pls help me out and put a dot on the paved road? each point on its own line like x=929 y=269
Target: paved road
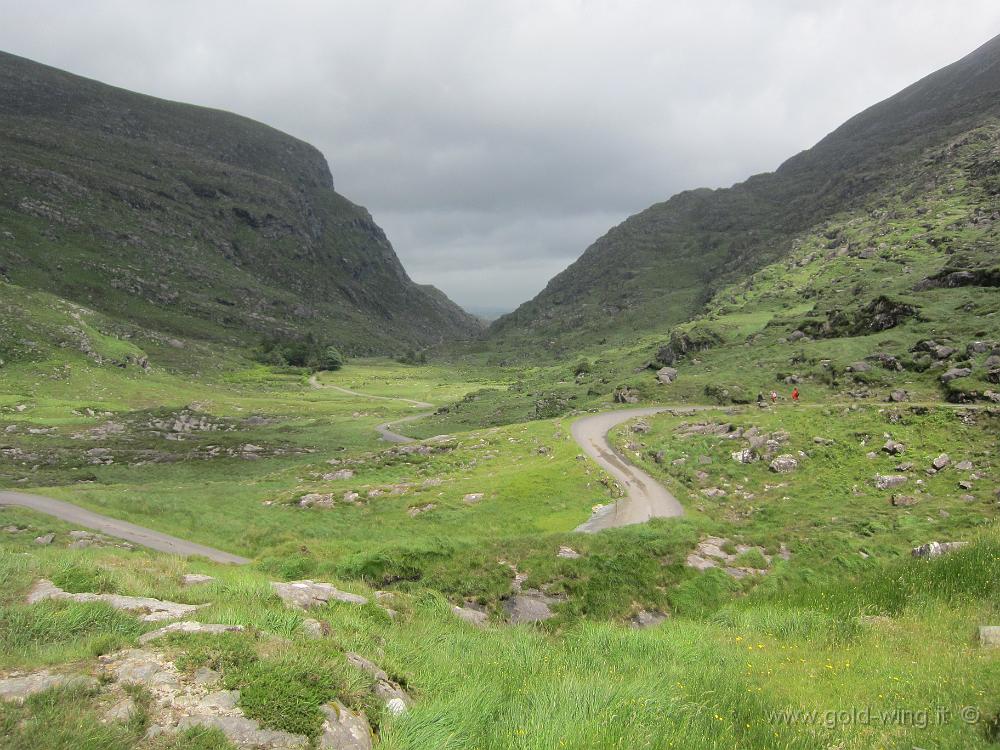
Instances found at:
x=113 y=527
x=385 y=429
x=645 y=498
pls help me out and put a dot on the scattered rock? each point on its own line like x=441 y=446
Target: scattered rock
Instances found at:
x=643 y=619
x=936 y=549
x=338 y=475
x=306 y=594
x=18 y=688
x=784 y=464
x=314 y=628
x=954 y=373
x=120 y=712
x=666 y=375
x=46 y=539
x=396 y=700
x=316 y=499
x=625 y=396
x=745 y=456
x=861 y=366
x=473 y=497
x=709 y=554
x=351 y=497
x=941 y=462
x=964 y=466
x=246 y=733
x=148 y=610
x=189 y=626
x=898 y=396
x=418 y=509
x=904 y=501
x=477 y=617
x=888 y=481
x=568 y=553
x=195 y=579
x=641 y=427
x=343 y=729
x=531 y=605
x=893 y=448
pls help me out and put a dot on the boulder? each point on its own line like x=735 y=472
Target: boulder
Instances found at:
x=936 y=549
x=977 y=347
x=904 y=501
x=338 y=475
x=343 y=729
x=784 y=464
x=745 y=456
x=625 y=396
x=396 y=700
x=472 y=498
x=953 y=373
x=568 y=553
x=641 y=427
x=860 y=366
x=942 y=352
x=315 y=629
x=888 y=481
x=893 y=448
x=796 y=335
x=964 y=466
x=306 y=594
x=666 y=375
x=45 y=539
x=898 y=396
x=941 y=462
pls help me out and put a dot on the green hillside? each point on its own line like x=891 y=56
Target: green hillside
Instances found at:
x=195 y=222
x=659 y=267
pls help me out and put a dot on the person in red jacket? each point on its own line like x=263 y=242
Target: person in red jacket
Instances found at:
x=795 y=395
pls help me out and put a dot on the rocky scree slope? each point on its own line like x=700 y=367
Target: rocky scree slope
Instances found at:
x=659 y=267
x=194 y=221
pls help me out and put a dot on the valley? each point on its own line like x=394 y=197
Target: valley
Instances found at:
x=730 y=481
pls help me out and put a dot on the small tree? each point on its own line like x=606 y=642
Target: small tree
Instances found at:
x=583 y=366
x=332 y=359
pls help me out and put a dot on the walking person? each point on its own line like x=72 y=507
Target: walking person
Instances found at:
x=795 y=395
x=774 y=397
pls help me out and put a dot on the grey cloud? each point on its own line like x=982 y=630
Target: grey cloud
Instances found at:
x=495 y=140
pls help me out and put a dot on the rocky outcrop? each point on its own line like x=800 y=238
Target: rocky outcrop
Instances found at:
x=19 y=687
x=306 y=594
x=147 y=609
x=936 y=549
x=397 y=701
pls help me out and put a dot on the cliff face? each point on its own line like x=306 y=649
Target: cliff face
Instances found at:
x=658 y=267
x=195 y=221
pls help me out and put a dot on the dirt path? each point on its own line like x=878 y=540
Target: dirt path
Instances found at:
x=645 y=497
x=385 y=429
x=113 y=527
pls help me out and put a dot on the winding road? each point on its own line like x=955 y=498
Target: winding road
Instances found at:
x=113 y=527
x=645 y=498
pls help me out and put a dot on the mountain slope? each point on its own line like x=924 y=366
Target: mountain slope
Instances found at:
x=194 y=221
x=660 y=266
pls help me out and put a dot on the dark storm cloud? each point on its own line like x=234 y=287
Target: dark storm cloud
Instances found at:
x=495 y=141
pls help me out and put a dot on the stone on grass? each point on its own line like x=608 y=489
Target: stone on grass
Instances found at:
x=899 y=396
x=893 y=448
x=147 y=609
x=338 y=475
x=314 y=628
x=904 y=501
x=45 y=539
x=643 y=619
x=395 y=699
x=194 y=579
x=666 y=375
x=568 y=553
x=343 y=729
x=306 y=594
x=188 y=626
x=120 y=712
x=246 y=733
x=936 y=549
x=472 y=616
x=473 y=497
x=941 y=462
x=17 y=689
x=954 y=373
x=531 y=605
x=784 y=464
x=989 y=635
x=964 y=466
x=888 y=481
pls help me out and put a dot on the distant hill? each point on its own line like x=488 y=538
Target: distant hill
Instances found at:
x=194 y=221
x=659 y=267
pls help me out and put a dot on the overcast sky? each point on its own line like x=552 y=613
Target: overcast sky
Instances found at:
x=494 y=141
